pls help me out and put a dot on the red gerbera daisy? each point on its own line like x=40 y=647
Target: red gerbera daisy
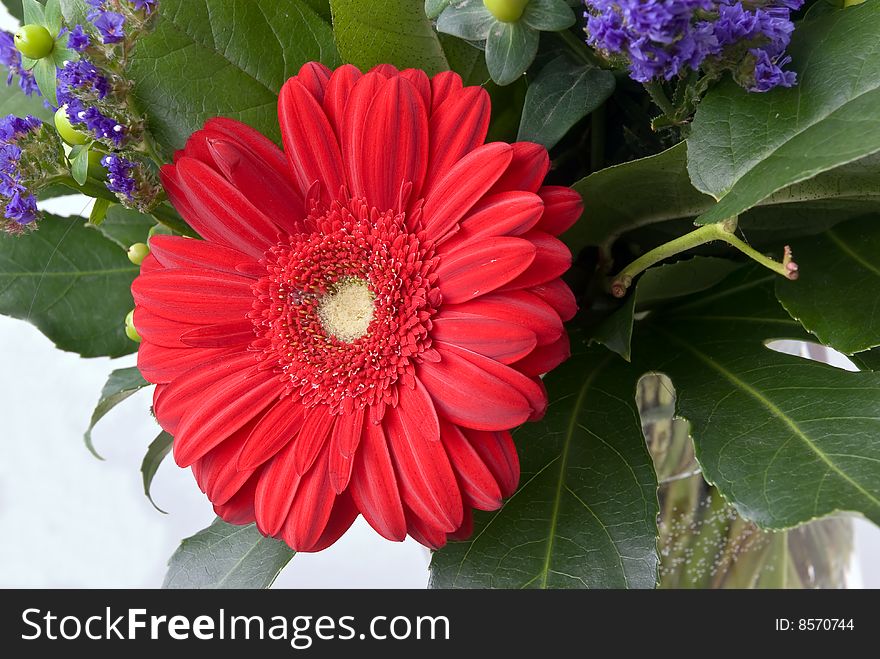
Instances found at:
x=368 y=313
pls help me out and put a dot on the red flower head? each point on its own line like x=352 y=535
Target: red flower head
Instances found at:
x=368 y=313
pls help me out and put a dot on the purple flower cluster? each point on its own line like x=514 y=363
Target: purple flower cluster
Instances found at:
x=663 y=39
x=11 y=58
x=78 y=39
x=19 y=204
x=111 y=24
x=80 y=86
x=120 y=176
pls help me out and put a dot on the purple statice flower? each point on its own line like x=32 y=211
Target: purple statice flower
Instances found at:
x=663 y=39
x=78 y=40
x=19 y=204
x=147 y=6
x=110 y=24
x=11 y=58
x=81 y=86
x=120 y=176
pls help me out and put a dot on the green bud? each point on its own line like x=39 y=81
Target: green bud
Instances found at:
x=34 y=41
x=66 y=130
x=138 y=252
x=130 y=330
x=506 y=11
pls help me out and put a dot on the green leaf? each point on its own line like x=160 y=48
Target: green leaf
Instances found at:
x=321 y=8
x=121 y=384
x=468 y=20
x=433 y=8
x=156 y=452
x=785 y=440
x=99 y=213
x=391 y=32
x=52 y=10
x=33 y=12
x=15 y=8
x=657 y=189
x=44 y=75
x=466 y=60
x=548 y=15
x=743 y=147
x=585 y=513
x=868 y=360
x=14 y=101
x=562 y=94
x=72 y=283
x=510 y=50
x=227 y=556
x=228 y=59
x=837 y=296
x=60 y=54
x=79 y=166
x=125 y=227
x=660 y=283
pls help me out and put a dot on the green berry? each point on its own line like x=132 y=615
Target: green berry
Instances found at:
x=66 y=130
x=130 y=330
x=138 y=252
x=506 y=11
x=34 y=41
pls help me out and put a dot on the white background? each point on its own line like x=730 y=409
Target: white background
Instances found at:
x=69 y=520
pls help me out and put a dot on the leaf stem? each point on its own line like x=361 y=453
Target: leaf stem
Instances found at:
x=661 y=100
x=723 y=231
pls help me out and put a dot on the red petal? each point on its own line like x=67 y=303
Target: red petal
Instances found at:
x=466 y=529
x=545 y=358
x=158 y=330
x=503 y=214
x=341 y=518
x=419 y=80
x=374 y=486
x=273 y=194
x=385 y=70
x=150 y=264
x=480 y=267
x=309 y=141
x=162 y=365
x=456 y=193
x=311 y=507
x=343 y=444
x=477 y=482
x=280 y=424
x=521 y=307
x=226 y=335
x=394 y=149
x=336 y=95
x=177 y=252
x=558 y=295
x=194 y=296
x=265 y=150
x=466 y=394
x=457 y=127
x=552 y=260
x=498 y=453
x=220 y=410
x=444 y=85
x=354 y=129
x=314 y=77
x=216 y=471
x=313 y=436
x=562 y=208
x=240 y=508
x=221 y=213
x=527 y=169
x=427 y=482
x=424 y=532
x=502 y=341
x=275 y=491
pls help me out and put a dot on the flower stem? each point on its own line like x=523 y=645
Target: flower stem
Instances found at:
x=661 y=100
x=723 y=231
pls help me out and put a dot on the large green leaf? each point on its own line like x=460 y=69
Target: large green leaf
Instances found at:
x=72 y=283
x=15 y=8
x=121 y=384
x=657 y=189
x=562 y=94
x=390 y=32
x=837 y=296
x=784 y=439
x=743 y=147
x=125 y=226
x=585 y=512
x=14 y=101
x=227 y=556
x=227 y=59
